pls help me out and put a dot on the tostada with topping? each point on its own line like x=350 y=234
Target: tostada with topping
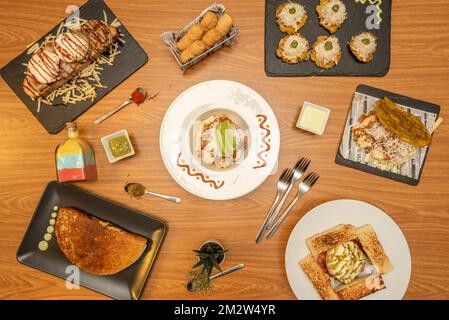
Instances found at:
x=290 y=17
x=332 y=14
x=293 y=49
x=363 y=46
x=326 y=52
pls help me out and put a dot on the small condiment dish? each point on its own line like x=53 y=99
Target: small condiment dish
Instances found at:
x=123 y=134
x=313 y=118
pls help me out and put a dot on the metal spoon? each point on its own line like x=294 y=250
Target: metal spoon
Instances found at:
x=218 y=275
x=142 y=187
x=119 y=107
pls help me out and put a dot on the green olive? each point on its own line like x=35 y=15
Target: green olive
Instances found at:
x=294 y=44
x=292 y=10
x=335 y=8
x=366 y=41
x=328 y=45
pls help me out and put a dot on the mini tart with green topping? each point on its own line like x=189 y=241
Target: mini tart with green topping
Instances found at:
x=332 y=14
x=293 y=48
x=326 y=52
x=363 y=46
x=290 y=17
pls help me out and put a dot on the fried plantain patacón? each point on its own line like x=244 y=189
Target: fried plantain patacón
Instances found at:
x=406 y=126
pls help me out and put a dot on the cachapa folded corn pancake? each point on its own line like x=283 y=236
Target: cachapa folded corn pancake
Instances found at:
x=94 y=245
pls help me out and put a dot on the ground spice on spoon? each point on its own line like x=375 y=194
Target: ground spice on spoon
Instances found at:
x=135 y=190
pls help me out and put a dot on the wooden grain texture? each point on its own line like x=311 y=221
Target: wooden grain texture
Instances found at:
x=419 y=68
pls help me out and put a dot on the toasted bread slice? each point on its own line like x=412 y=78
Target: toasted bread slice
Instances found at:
x=373 y=249
x=287 y=28
x=361 y=287
x=318 y=278
x=323 y=241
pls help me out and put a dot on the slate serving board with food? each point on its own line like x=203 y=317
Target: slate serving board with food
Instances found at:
x=362 y=16
x=131 y=57
x=112 y=267
x=352 y=155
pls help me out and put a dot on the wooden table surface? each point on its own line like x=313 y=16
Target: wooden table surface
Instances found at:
x=419 y=68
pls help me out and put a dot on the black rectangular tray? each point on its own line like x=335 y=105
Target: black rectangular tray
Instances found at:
x=405 y=101
x=127 y=284
x=348 y=65
x=53 y=118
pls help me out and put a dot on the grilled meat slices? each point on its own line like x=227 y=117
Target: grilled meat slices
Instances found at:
x=66 y=57
x=94 y=245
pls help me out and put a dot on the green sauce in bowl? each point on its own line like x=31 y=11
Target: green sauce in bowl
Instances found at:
x=119 y=146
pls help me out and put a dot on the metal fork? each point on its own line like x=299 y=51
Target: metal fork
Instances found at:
x=303 y=187
x=298 y=171
x=283 y=184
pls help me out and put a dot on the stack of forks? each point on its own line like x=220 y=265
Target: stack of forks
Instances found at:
x=286 y=182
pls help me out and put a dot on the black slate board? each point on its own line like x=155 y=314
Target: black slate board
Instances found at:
x=126 y=284
x=405 y=101
x=348 y=65
x=53 y=118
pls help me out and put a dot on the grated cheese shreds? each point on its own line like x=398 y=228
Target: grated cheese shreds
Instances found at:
x=82 y=88
x=61 y=26
x=105 y=17
x=116 y=23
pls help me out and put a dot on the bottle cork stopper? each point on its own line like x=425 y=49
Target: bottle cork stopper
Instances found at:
x=71 y=125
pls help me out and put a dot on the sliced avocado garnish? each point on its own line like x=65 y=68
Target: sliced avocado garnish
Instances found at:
x=226 y=139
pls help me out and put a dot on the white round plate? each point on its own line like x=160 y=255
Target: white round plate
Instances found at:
x=357 y=213
x=218 y=97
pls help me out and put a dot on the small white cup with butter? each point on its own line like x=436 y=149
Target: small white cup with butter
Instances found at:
x=313 y=118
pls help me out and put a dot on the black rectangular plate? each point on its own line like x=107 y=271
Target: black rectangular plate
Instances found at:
x=405 y=101
x=348 y=65
x=127 y=284
x=53 y=118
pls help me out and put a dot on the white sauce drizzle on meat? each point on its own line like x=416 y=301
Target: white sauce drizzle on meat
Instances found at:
x=44 y=66
x=71 y=46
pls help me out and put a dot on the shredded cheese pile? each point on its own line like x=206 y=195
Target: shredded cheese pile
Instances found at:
x=83 y=87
